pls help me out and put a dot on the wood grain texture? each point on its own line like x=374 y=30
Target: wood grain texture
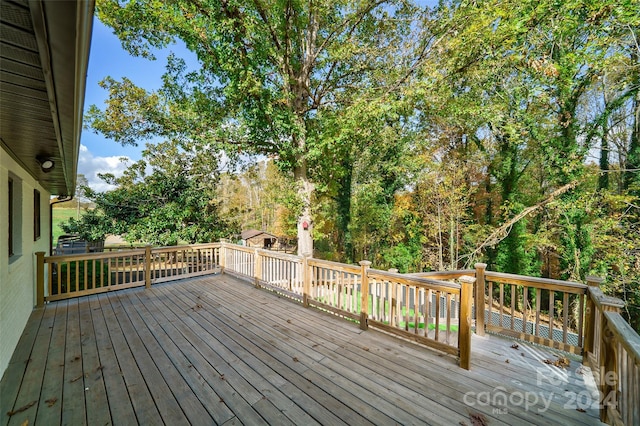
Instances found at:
x=216 y=350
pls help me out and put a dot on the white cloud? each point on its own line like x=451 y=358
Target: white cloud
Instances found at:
x=90 y=166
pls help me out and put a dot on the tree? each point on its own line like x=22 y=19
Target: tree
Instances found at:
x=260 y=197
x=268 y=71
x=164 y=199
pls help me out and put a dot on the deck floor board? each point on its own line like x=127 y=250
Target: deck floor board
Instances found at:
x=215 y=350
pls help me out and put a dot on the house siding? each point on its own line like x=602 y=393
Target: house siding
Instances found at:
x=17 y=274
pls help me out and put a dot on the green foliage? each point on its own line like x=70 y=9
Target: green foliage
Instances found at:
x=417 y=139
x=61 y=215
x=165 y=199
x=515 y=253
x=270 y=75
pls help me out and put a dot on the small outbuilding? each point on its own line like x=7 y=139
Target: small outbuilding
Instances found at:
x=259 y=239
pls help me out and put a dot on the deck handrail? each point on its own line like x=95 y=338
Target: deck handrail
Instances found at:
x=525 y=308
x=401 y=304
x=620 y=380
x=83 y=274
x=443 y=275
x=612 y=351
x=395 y=303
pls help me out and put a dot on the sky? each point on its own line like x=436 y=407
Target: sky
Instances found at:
x=108 y=58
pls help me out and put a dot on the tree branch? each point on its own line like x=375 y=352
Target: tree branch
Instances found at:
x=503 y=231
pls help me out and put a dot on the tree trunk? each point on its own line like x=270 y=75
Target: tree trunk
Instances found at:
x=633 y=156
x=343 y=200
x=305 y=224
x=603 y=179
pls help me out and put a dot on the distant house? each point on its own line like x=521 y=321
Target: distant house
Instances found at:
x=44 y=51
x=259 y=239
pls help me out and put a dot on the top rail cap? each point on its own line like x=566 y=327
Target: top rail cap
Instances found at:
x=594 y=281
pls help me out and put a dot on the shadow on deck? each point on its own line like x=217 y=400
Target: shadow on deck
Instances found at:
x=215 y=350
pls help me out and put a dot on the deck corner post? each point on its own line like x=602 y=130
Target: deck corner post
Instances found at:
x=480 y=299
x=147 y=266
x=39 y=279
x=464 y=333
x=257 y=269
x=222 y=256
x=590 y=318
x=306 y=279
x=364 y=294
x=608 y=370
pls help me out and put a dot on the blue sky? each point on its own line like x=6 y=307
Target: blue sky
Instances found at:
x=107 y=58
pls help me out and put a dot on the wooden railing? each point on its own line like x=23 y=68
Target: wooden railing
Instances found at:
x=91 y=273
x=434 y=308
x=540 y=310
x=612 y=351
x=432 y=312
x=335 y=287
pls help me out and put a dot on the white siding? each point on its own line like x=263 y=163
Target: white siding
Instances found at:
x=17 y=275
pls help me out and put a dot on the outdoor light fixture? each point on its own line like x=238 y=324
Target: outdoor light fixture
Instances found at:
x=46 y=163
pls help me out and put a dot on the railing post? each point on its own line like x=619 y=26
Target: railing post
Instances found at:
x=480 y=301
x=464 y=332
x=222 y=256
x=364 y=294
x=40 y=279
x=257 y=268
x=590 y=318
x=608 y=368
x=147 y=266
x=306 y=279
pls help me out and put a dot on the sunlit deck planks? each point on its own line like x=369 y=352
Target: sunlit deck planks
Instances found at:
x=214 y=350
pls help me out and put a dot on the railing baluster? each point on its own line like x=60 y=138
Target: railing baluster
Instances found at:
x=448 y=317
x=501 y=303
x=565 y=316
x=538 y=302
x=405 y=295
x=490 y=322
x=514 y=296
x=551 y=312
x=84 y=269
x=525 y=310
x=416 y=311
x=437 y=330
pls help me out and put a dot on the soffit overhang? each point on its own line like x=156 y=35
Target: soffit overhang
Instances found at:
x=44 y=52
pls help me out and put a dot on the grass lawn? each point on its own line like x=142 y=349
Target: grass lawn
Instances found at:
x=61 y=215
x=401 y=324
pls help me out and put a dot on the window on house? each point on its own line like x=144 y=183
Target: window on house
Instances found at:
x=15 y=216
x=10 y=213
x=36 y=215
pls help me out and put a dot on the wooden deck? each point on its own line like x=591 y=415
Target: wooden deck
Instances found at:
x=215 y=350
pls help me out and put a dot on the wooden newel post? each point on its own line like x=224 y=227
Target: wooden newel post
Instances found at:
x=464 y=331
x=40 y=279
x=306 y=280
x=257 y=269
x=364 y=294
x=222 y=257
x=608 y=365
x=590 y=318
x=147 y=266
x=480 y=298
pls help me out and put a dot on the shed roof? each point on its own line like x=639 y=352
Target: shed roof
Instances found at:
x=251 y=233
